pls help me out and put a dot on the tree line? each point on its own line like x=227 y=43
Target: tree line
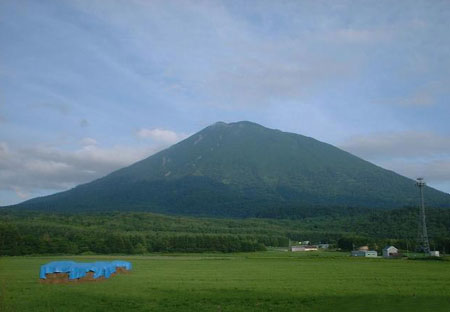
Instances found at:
x=24 y=233
x=24 y=239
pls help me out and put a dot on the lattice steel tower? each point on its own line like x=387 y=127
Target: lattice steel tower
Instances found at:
x=423 y=234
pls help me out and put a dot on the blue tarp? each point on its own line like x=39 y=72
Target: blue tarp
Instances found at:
x=122 y=264
x=56 y=267
x=78 y=270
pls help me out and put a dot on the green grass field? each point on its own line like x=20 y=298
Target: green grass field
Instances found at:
x=264 y=281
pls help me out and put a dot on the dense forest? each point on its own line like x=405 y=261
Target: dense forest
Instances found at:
x=23 y=233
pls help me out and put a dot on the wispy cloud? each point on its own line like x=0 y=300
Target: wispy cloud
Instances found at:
x=25 y=170
x=88 y=141
x=225 y=62
x=413 y=154
x=160 y=135
x=425 y=95
x=56 y=106
x=434 y=171
x=407 y=144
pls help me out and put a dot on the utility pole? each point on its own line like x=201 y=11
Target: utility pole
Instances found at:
x=423 y=234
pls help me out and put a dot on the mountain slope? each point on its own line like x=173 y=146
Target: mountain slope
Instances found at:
x=243 y=169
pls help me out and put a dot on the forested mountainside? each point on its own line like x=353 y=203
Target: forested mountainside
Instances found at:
x=244 y=170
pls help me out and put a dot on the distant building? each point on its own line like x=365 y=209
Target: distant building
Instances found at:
x=365 y=248
x=304 y=248
x=323 y=246
x=390 y=251
x=434 y=253
x=364 y=253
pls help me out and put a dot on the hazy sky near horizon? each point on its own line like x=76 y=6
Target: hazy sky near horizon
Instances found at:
x=87 y=87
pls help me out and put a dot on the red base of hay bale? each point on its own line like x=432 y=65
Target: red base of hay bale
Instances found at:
x=63 y=278
x=55 y=278
x=89 y=277
x=121 y=270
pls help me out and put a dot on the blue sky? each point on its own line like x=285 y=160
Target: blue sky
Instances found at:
x=87 y=87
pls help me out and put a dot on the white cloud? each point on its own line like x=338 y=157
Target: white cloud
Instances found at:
x=351 y=35
x=434 y=171
x=222 y=58
x=4 y=150
x=422 y=96
x=160 y=135
x=30 y=170
x=88 y=141
x=407 y=144
x=22 y=194
x=412 y=153
x=46 y=167
x=37 y=168
x=59 y=107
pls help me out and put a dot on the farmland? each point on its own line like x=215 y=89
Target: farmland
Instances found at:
x=260 y=281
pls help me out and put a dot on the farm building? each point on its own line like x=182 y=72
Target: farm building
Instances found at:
x=390 y=251
x=364 y=253
x=434 y=253
x=304 y=248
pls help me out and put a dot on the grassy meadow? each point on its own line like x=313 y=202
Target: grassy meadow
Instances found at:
x=262 y=281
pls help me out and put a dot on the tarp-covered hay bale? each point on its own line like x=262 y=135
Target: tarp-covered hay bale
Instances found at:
x=56 y=278
x=58 y=272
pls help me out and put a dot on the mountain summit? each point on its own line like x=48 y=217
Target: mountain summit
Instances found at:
x=243 y=169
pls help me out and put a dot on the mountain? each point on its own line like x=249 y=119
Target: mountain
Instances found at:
x=243 y=169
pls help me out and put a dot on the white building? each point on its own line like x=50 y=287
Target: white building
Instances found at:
x=364 y=253
x=434 y=253
x=390 y=251
x=304 y=248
